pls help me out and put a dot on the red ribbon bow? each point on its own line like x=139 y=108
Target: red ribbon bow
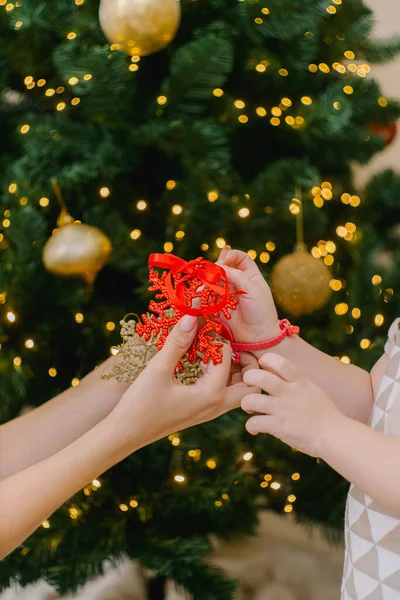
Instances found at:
x=209 y=274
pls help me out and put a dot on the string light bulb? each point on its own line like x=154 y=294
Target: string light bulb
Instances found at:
x=212 y=196
x=177 y=209
x=135 y=234
x=341 y=308
x=104 y=192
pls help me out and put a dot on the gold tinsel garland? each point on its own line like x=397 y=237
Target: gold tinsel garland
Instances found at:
x=136 y=353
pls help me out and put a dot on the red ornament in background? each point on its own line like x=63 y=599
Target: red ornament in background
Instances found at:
x=199 y=288
x=386 y=132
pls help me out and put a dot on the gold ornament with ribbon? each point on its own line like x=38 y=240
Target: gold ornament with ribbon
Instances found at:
x=300 y=282
x=75 y=249
x=140 y=27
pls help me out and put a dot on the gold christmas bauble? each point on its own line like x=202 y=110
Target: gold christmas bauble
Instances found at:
x=300 y=283
x=140 y=27
x=77 y=250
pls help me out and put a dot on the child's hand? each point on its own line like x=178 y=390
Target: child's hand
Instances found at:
x=157 y=404
x=296 y=411
x=255 y=319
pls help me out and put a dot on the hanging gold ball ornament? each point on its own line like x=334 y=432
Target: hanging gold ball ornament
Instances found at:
x=300 y=283
x=76 y=250
x=140 y=27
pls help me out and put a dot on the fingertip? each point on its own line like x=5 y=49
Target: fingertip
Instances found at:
x=187 y=324
x=243 y=405
x=222 y=255
x=268 y=359
x=226 y=353
x=250 y=426
x=248 y=376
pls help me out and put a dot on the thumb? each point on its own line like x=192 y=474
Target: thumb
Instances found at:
x=178 y=342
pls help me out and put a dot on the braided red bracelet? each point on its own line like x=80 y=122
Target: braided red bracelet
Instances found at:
x=287 y=330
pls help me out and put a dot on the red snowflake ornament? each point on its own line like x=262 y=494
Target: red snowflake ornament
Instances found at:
x=199 y=288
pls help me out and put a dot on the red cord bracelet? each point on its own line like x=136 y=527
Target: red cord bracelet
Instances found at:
x=287 y=330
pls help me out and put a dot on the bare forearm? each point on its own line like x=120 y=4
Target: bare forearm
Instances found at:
x=349 y=386
x=367 y=458
x=53 y=481
x=57 y=423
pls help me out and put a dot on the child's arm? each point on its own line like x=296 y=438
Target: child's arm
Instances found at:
x=365 y=457
x=153 y=407
x=44 y=431
x=256 y=320
x=303 y=416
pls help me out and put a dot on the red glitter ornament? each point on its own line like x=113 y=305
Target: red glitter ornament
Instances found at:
x=198 y=288
x=386 y=132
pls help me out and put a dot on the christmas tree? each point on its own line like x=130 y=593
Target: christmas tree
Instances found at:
x=251 y=118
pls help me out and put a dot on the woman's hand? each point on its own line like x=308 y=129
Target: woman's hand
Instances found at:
x=157 y=404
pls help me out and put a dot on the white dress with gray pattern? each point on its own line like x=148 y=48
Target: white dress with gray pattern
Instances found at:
x=372 y=559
